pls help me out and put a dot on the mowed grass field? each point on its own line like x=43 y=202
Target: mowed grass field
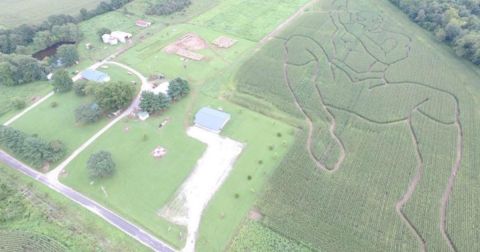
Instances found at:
x=29 y=93
x=250 y=19
x=58 y=123
x=149 y=57
x=142 y=184
x=389 y=108
x=16 y=12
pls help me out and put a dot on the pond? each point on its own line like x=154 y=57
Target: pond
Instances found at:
x=50 y=51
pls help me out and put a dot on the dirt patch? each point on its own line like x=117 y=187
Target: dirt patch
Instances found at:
x=189 y=54
x=224 y=42
x=185 y=46
x=255 y=215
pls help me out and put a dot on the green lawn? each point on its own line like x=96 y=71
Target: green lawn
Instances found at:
x=142 y=184
x=16 y=12
x=59 y=122
x=28 y=92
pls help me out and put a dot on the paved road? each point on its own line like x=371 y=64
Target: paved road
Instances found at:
x=122 y=224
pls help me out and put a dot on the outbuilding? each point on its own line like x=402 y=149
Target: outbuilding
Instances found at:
x=93 y=75
x=143 y=23
x=121 y=36
x=143 y=115
x=109 y=39
x=211 y=119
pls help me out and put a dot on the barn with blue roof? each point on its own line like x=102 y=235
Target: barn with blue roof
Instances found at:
x=211 y=119
x=93 y=75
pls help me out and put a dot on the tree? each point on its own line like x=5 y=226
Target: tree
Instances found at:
x=148 y=102
x=178 y=88
x=167 y=7
x=68 y=54
x=80 y=87
x=101 y=165
x=103 y=31
x=114 y=96
x=88 y=113
x=62 y=82
x=32 y=149
x=7 y=74
x=152 y=103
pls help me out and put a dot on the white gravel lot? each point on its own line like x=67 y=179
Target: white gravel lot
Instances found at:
x=209 y=174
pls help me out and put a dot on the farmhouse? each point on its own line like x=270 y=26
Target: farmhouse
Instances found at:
x=96 y=76
x=108 y=39
x=121 y=36
x=211 y=119
x=143 y=23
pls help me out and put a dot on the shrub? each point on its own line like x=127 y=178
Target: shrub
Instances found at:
x=18 y=103
x=54 y=104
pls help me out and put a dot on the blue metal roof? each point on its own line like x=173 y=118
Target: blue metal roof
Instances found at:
x=93 y=75
x=211 y=119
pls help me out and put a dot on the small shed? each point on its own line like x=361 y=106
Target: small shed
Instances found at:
x=143 y=23
x=211 y=119
x=143 y=115
x=93 y=75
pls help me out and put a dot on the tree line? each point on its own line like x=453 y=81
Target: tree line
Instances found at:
x=56 y=29
x=455 y=22
x=167 y=7
x=31 y=148
x=20 y=69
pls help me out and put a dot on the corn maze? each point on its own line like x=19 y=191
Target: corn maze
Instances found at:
x=376 y=162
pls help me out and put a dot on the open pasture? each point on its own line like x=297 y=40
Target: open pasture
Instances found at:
x=149 y=57
x=16 y=12
x=385 y=159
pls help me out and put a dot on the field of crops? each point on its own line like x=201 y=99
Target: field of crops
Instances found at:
x=386 y=157
x=25 y=241
x=17 y=12
x=255 y=235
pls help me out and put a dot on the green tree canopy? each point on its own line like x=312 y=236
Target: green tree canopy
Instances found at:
x=178 y=88
x=153 y=103
x=62 y=82
x=114 y=96
x=68 y=54
x=88 y=113
x=101 y=165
